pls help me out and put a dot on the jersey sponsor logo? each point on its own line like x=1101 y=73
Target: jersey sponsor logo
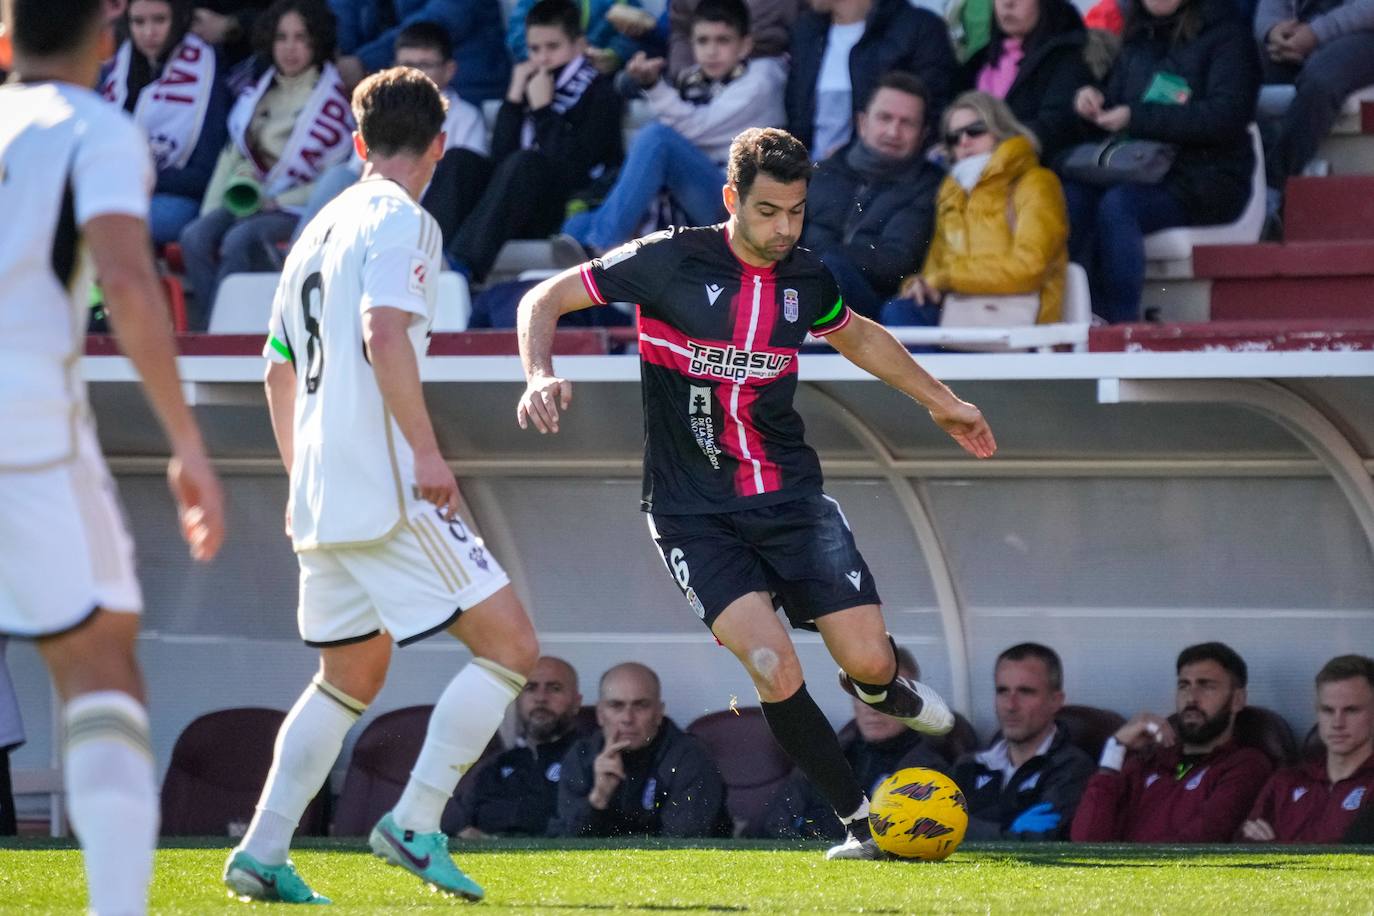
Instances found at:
x=1196 y=780
x=554 y=772
x=1352 y=801
x=713 y=292
x=1299 y=792
x=791 y=307
x=650 y=797
x=703 y=424
x=419 y=273
x=736 y=365
x=855 y=578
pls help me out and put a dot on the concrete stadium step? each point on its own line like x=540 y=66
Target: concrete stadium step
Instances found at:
x=1332 y=208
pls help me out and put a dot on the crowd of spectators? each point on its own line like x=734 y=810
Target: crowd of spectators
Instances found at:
x=1193 y=775
x=951 y=151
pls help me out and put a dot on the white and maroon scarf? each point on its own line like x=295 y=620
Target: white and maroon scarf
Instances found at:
x=572 y=83
x=170 y=109
x=322 y=138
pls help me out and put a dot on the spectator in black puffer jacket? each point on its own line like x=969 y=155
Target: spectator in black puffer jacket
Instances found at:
x=871 y=206
x=841 y=48
x=1199 y=57
x=1034 y=62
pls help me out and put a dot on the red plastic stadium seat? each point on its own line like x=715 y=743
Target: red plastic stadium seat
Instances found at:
x=176 y=300
x=1089 y=727
x=171 y=254
x=218 y=767
x=380 y=766
x=751 y=762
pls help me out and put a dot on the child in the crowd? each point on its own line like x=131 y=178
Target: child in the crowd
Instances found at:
x=685 y=148
x=291 y=125
x=616 y=31
x=170 y=80
x=557 y=131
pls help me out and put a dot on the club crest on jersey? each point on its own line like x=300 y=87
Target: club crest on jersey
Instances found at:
x=791 y=305
x=736 y=365
x=1352 y=801
x=419 y=272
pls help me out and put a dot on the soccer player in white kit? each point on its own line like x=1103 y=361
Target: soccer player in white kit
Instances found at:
x=75 y=179
x=374 y=509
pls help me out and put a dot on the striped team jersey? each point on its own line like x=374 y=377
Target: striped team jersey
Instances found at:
x=718 y=342
x=352 y=470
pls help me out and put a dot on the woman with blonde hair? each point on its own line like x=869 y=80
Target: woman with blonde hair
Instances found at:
x=1000 y=223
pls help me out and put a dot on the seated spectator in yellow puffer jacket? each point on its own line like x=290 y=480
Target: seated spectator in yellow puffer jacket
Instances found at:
x=1001 y=227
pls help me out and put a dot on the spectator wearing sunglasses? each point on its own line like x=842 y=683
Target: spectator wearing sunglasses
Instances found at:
x=1000 y=223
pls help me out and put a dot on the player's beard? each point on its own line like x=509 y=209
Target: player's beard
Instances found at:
x=764 y=249
x=1208 y=729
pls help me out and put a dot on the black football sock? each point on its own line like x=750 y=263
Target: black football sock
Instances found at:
x=804 y=733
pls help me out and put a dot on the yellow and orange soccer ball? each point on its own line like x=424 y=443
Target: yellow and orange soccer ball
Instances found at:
x=918 y=814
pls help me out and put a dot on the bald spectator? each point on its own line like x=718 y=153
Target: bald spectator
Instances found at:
x=879 y=747
x=1193 y=785
x=1027 y=785
x=1320 y=800
x=517 y=793
x=640 y=774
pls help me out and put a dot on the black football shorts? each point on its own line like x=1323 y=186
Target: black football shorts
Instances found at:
x=801 y=551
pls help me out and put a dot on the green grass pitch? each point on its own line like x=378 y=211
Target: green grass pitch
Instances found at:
x=658 y=877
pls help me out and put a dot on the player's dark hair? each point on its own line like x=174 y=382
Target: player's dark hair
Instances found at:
x=320 y=24
x=775 y=153
x=398 y=110
x=732 y=13
x=429 y=36
x=43 y=28
x=1217 y=652
x=1054 y=668
x=1345 y=667
x=901 y=81
x=562 y=14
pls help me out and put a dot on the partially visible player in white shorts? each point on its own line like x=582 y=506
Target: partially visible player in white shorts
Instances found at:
x=411 y=585
x=374 y=515
x=67 y=551
x=75 y=180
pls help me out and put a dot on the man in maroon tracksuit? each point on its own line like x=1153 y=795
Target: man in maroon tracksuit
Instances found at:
x=1318 y=800
x=1190 y=786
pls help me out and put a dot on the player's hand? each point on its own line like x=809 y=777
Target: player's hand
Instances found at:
x=1145 y=729
x=1088 y=103
x=630 y=21
x=608 y=772
x=1300 y=42
x=539 y=90
x=645 y=70
x=544 y=397
x=435 y=483
x=966 y=426
x=200 y=502
x=1258 y=831
x=213 y=28
x=922 y=292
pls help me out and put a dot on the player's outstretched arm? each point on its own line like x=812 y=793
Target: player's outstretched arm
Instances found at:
x=540 y=308
x=121 y=250
x=386 y=336
x=872 y=348
x=280 y=382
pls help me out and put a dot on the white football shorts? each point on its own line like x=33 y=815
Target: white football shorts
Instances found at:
x=411 y=585
x=65 y=549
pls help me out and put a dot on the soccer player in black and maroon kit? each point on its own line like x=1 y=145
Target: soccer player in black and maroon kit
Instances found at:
x=732 y=490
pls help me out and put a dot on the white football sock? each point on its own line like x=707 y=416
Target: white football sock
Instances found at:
x=468 y=713
x=112 y=798
x=307 y=746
